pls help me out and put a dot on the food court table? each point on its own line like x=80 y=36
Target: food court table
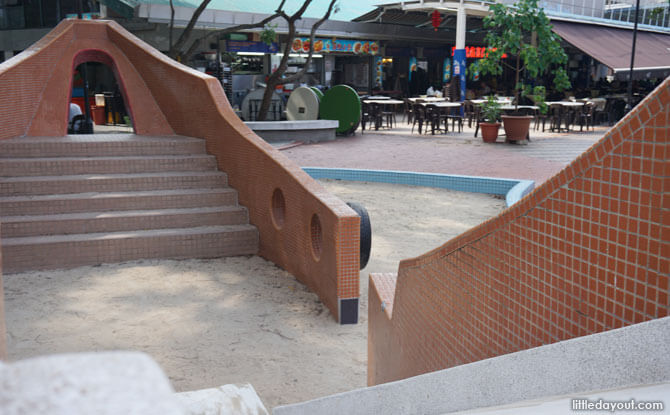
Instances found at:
x=413 y=100
x=567 y=113
x=383 y=102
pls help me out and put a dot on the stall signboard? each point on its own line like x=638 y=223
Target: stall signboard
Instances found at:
x=322 y=45
x=379 y=70
x=474 y=52
x=412 y=66
x=251 y=46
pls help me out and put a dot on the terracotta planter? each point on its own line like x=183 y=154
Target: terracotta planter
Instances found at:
x=489 y=131
x=516 y=127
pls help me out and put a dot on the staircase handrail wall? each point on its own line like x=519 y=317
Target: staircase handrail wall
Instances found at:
x=584 y=253
x=166 y=97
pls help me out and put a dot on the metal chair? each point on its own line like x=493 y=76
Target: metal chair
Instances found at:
x=435 y=116
x=419 y=116
x=455 y=116
x=586 y=116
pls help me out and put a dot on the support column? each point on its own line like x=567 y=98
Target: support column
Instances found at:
x=459 y=52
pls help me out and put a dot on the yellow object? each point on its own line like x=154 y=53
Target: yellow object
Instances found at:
x=110 y=120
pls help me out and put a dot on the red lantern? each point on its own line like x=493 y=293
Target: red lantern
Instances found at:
x=435 y=18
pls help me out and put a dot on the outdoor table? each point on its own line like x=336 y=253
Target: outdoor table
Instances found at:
x=442 y=104
x=376 y=97
x=571 y=107
x=443 y=107
x=383 y=101
x=502 y=100
x=510 y=108
x=426 y=99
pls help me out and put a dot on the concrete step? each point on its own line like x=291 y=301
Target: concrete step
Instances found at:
x=44 y=185
x=93 y=222
x=69 y=251
x=62 y=166
x=114 y=201
x=100 y=145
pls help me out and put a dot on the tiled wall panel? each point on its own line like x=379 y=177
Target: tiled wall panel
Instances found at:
x=586 y=252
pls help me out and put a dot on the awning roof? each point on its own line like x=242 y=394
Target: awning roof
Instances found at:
x=612 y=47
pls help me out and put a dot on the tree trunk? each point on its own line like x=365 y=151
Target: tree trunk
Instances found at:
x=276 y=78
x=516 y=82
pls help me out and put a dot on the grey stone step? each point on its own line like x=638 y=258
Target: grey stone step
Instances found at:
x=44 y=185
x=60 y=166
x=92 y=222
x=69 y=251
x=114 y=201
x=100 y=145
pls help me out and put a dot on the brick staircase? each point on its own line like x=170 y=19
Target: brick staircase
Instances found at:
x=105 y=198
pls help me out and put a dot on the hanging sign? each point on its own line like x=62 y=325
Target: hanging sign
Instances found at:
x=378 y=71
x=412 y=67
x=321 y=45
x=446 y=70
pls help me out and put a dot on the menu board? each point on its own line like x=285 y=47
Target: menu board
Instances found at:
x=322 y=45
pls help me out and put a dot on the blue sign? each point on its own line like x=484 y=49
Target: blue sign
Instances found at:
x=250 y=46
x=459 y=69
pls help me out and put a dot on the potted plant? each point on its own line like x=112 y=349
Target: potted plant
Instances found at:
x=523 y=33
x=490 y=112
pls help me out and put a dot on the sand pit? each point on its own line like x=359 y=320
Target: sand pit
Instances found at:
x=233 y=320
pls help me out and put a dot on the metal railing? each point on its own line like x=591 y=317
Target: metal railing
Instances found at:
x=652 y=12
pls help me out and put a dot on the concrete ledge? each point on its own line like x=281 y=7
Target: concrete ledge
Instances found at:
x=224 y=400
x=103 y=383
x=617 y=359
x=513 y=189
x=307 y=131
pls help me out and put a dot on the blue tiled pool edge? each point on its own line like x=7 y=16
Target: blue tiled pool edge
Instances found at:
x=513 y=189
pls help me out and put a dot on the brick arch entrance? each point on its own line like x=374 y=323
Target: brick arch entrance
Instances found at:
x=37 y=83
x=102 y=57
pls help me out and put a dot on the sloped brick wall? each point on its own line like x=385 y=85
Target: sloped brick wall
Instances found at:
x=586 y=252
x=303 y=229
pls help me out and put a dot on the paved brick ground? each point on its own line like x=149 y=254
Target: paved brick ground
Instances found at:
x=452 y=153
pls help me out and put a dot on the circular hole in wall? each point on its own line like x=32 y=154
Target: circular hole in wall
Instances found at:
x=278 y=208
x=316 y=235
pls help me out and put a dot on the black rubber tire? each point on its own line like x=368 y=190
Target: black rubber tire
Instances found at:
x=366 y=232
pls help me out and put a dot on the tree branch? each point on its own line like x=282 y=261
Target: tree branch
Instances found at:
x=196 y=43
x=316 y=25
x=187 y=31
x=171 y=26
x=276 y=77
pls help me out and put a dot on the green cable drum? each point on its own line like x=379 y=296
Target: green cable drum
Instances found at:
x=341 y=103
x=317 y=91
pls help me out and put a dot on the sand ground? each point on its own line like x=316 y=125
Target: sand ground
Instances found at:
x=233 y=320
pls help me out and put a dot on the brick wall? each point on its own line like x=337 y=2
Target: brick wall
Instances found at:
x=586 y=252
x=303 y=229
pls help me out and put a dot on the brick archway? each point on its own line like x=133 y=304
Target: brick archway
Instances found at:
x=100 y=56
